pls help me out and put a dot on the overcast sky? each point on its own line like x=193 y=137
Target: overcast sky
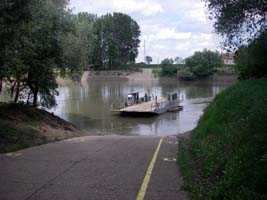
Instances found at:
x=170 y=28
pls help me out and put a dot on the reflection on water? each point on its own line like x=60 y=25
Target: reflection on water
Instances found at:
x=89 y=105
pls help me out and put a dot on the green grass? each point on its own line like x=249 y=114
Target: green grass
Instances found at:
x=21 y=127
x=17 y=137
x=226 y=157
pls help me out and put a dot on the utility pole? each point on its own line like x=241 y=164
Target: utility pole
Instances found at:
x=145 y=51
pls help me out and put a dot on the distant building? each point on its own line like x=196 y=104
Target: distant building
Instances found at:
x=228 y=58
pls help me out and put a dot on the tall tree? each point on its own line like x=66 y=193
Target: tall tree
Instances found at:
x=78 y=43
x=167 y=61
x=31 y=46
x=116 y=40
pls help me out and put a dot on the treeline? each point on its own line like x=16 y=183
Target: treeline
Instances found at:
x=43 y=39
x=200 y=65
x=249 y=58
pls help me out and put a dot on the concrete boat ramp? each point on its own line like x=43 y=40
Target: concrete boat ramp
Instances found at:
x=94 y=168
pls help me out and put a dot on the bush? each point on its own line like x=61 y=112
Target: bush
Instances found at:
x=226 y=157
x=186 y=74
x=251 y=60
x=168 y=70
x=203 y=64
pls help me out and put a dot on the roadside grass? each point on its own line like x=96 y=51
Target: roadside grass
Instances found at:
x=23 y=126
x=226 y=157
x=13 y=138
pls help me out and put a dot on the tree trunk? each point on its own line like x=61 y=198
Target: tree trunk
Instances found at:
x=13 y=85
x=28 y=98
x=1 y=84
x=17 y=92
x=35 y=97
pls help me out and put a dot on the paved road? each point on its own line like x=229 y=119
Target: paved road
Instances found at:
x=91 y=168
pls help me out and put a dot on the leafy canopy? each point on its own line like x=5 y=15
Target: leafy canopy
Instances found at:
x=251 y=60
x=148 y=59
x=31 y=48
x=167 y=61
x=116 y=41
x=238 y=20
x=202 y=64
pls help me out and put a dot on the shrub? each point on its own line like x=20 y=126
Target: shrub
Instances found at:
x=251 y=60
x=186 y=74
x=203 y=64
x=168 y=70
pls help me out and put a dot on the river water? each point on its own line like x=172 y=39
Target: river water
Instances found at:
x=88 y=105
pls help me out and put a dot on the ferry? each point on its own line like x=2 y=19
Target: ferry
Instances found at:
x=149 y=105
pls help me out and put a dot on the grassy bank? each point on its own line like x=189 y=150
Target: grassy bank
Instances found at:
x=226 y=155
x=25 y=126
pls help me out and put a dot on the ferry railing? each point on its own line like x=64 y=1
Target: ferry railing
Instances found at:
x=165 y=105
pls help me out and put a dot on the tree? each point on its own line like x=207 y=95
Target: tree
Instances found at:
x=31 y=47
x=168 y=68
x=148 y=59
x=116 y=41
x=238 y=21
x=251 y=60
x=78 y=43
x=179 y=60
x=12 y=14
x=167 y=61
x=203 y=64
x=243 y=23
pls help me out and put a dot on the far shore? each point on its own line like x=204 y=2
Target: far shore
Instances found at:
x=145 y=75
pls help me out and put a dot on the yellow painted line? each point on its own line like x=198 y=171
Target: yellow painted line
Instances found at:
x=142 y=191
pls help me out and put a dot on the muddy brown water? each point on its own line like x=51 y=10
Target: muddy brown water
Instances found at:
x=88 y=105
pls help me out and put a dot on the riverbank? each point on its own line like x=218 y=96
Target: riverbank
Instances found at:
x=136 y=75
x=225 y=156
x=24 y=126
x=143 y=74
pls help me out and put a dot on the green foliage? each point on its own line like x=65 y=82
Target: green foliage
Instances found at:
x=42 y=39
x=15 y=137
x=78 y=44
x=23 y=126
x=30 y=47
x=148 y=59
x=243 y=25
x=179 y=60
x=201 y=64
x=116 y=41
x=186 y=74
x=167 y=61
x=238 y=20
x=226 y=156
x=168 y=70
x=251 y=60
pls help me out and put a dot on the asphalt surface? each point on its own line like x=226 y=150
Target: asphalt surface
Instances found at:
x=91 y=168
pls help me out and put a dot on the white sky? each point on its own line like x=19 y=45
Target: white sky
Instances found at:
x=170 y=28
